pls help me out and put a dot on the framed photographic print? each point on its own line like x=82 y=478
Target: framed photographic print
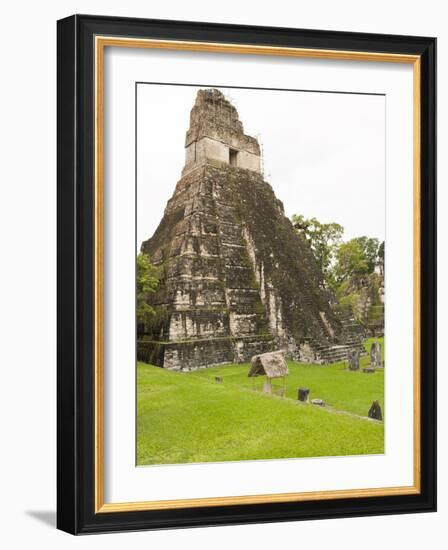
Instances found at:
x=246 y=274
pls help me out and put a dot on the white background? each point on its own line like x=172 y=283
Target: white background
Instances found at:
x=27 y=218
x=124 y=66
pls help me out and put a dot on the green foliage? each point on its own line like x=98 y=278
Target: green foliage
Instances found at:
x=348 y=267
x=323 y=239
x=350 y=261
x=147 y=280
x=370 y=248
x=356 y=257
x=381 y=253
x=188 y=417
x=349 y=301
x=157 y=320
x=375 y=315
x=338 y=260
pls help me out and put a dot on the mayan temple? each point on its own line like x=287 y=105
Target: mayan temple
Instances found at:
x=236 y=279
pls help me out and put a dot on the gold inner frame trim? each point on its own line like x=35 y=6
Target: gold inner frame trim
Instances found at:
x=101 y=42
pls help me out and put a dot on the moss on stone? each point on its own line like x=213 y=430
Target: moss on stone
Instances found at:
x=209 y=289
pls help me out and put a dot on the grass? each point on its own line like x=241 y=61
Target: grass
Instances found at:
x=188 y=417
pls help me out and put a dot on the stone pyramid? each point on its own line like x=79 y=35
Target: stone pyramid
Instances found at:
x=236 y=279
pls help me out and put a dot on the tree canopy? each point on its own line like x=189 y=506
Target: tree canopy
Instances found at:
x=338 y=260
x=350 y=261
x=323 y=239
x=356 y=257
x=348 y=268
x=147 y=281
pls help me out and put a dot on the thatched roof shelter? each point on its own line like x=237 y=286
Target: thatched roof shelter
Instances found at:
x=272 y=365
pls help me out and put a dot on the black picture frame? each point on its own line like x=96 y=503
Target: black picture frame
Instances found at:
x=76 y=272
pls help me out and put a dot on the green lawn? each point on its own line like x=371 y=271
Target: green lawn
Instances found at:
x=188 y=417
x=351 y=391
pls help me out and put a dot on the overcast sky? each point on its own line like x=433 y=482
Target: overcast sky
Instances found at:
x=324 y=153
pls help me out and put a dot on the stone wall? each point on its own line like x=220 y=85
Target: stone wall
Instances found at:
x=210 y=301
x=215 y=130
x=207 y=149
x=233 y=284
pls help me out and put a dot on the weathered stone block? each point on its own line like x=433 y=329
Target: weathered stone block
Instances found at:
x=375 y=411
x=303 y=394
x=375 y=355
x=319 y=402
x=353 y=359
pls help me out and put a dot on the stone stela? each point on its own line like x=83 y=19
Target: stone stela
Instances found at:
x=375 y=411
x=375 y=355
x=353 y=360
x=236 y=279
x=303 y=394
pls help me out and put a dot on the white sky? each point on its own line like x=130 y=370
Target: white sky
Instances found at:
x=324 y=153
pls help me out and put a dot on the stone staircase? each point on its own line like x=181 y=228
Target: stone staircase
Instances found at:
x=353 y=335
x=336 y=353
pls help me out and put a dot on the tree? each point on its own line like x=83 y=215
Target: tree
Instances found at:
x=147 y=282
x=370 y=249
x=351 y=261
x=323 y=239
x=381 y=253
